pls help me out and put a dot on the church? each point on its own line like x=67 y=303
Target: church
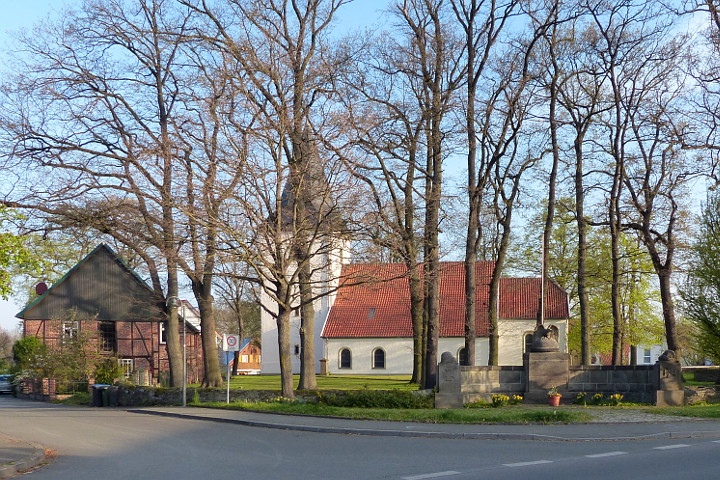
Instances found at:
x=363 y=326
x=362 y=321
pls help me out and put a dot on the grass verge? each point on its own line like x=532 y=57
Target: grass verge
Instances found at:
x=696 y=411
x=507 y=415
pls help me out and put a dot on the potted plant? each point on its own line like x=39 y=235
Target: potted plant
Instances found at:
x=554 y=397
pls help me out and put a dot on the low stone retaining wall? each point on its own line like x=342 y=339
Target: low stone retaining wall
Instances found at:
x=481 y=383
x=704 y=374
x=660 y=384
x=636 y=383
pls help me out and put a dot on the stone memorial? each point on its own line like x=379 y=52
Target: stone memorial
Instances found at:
x=546 y=366
x=668 y=372
x=449 y=393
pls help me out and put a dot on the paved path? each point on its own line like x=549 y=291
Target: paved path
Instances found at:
x=17 y=456
x=609 y=425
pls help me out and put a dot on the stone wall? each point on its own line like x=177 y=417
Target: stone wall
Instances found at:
x=481 y=383
x=641 y=383
x=704 y=374
x=636 y=383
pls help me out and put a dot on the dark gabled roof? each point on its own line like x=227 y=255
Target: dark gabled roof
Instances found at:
x=100 y=286
x=380 y=307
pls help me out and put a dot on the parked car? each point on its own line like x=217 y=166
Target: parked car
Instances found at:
x=6 y=384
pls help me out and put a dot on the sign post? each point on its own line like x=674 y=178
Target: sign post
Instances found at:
x=231 y=343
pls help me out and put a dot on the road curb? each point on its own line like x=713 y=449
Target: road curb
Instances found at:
x=24 y=464
x=429 y=434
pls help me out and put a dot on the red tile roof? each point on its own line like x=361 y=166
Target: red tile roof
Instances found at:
x=385 y=288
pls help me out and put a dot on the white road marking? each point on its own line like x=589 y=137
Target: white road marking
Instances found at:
x=432 y=475
x=526 y=464
x=607 y=454
x=670 y=447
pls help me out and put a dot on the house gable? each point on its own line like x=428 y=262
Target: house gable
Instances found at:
x=101 y=286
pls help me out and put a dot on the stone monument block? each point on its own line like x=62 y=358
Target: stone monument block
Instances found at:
x=449 y=393
x=544 y=371
x=669 y=379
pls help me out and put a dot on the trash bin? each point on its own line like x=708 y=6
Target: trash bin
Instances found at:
x=112 y=396
x=99 y=395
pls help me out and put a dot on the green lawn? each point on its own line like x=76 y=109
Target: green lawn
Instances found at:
x=331 y=382
x=690 y=380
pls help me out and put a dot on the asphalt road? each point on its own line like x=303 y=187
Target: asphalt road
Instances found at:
x=107 y=444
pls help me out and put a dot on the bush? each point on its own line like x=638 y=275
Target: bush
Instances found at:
x=27 y=352
x=598 y=399
x=376 y=399
x=107 y=370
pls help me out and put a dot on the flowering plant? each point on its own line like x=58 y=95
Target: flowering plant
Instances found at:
x=500 y=400
x=553 y=392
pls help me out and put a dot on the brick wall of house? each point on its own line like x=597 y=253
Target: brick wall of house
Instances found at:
x=137 y=341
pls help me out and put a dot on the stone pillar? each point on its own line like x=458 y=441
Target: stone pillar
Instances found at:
x=323 y=367
x=668 y=378
x=449 y=393
x=543 y=371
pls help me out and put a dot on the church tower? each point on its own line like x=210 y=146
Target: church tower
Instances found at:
x=312 y=225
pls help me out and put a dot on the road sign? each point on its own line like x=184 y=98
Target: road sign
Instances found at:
x=231 y=343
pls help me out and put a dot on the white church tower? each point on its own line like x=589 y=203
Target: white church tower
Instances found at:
x=327 y=266
x=329 y=250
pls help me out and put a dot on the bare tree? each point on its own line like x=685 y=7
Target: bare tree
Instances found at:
x=96 y=107
x=482 y=23
x=279 y=47
x=643 y=71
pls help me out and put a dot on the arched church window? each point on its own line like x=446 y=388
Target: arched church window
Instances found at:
x=462 y=356
x=345 y=358
x=378 y=358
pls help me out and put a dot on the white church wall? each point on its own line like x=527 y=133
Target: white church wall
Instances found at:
x=326 y=268
x=398 y=351
x=398 y=354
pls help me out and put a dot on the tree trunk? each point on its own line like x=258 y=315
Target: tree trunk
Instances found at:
x=583 y=300
x=432 y=253
x=172 y=336
x=614 y=221
x=416 y=312
x=668 y=308
x=307 y=330
x=286 y=375
x=203 y=294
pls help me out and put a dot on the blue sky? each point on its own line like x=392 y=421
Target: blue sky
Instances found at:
x=18 y=15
